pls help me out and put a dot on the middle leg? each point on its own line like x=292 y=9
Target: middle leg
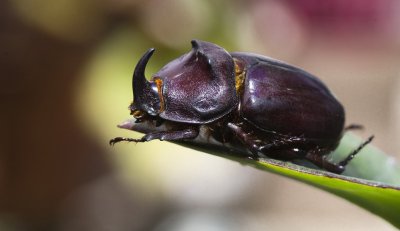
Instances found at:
x=258 y=145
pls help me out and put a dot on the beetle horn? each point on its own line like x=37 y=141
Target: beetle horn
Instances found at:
x=144 y=97
x=139 y=81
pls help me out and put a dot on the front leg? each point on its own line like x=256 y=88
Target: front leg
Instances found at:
x=188 y=133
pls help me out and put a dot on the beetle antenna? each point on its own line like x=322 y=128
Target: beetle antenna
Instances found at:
x=353 y=153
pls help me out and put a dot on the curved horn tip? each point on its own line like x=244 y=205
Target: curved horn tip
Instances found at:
x=149 y=53
x=151 y=50
x=141 y=65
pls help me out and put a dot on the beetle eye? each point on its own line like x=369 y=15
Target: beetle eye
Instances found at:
x=137 y=114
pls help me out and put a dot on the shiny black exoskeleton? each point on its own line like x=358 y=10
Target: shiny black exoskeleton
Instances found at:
x=245 y=102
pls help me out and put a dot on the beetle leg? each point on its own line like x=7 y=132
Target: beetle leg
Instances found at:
x=353 y=127
x=256 y=145
x=246 y=138
x=318 y=157
x=189 y=133
x=291 y=141
x=355 y=151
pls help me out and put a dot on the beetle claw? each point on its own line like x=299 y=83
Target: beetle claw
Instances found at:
x=120 y=139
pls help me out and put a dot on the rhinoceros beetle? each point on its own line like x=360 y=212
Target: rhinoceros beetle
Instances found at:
x=244 y=102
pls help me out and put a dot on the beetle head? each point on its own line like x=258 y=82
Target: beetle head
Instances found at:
x=146 y=94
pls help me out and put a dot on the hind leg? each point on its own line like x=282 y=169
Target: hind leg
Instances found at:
x=287 y=145
x=318 y=157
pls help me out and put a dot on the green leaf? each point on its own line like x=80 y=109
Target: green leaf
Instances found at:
x=371 y=179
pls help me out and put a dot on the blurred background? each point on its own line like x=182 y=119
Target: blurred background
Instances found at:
x=65 y=84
